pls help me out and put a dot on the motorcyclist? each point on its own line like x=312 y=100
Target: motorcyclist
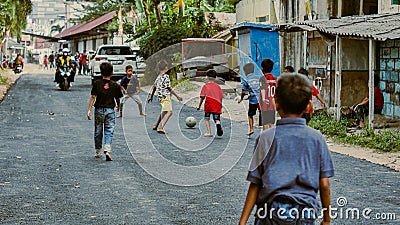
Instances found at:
x=19 y=61
x=64 y=59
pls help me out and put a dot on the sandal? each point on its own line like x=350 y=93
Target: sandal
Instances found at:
x=250 y=133
x=98 y=156
x=162 y=132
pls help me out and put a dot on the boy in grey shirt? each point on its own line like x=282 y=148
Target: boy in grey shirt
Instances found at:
x=291 y=162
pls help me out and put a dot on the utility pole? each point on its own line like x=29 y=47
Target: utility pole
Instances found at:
x=66 y=14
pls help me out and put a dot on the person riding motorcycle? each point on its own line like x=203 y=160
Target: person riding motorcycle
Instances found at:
x=64 y=59
x=19 y=61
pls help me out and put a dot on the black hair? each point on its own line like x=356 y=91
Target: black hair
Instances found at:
x=162 y=64
x=290 y=69
x=128 y=67
x=211 y=73
x=106 y=69
x=303 y=71
x=293 y=93
x=248 y=68
x=267 y=65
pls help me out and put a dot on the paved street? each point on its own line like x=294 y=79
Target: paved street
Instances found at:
x=49 y=174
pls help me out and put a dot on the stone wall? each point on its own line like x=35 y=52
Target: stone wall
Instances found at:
x=389 y=65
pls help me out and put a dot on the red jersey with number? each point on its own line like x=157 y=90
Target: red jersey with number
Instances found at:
x=213 y=95
x=268 y=83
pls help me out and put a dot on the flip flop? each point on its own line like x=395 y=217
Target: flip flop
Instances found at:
x=155 y=128
x=162 y=132
x=250 y=133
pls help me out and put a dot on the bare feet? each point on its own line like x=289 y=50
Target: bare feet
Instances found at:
x=143 y=114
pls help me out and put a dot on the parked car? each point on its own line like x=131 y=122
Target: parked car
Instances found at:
x=118 y=55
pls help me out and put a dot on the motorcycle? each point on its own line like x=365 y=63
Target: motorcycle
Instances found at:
x=18 y=69
x=65 y=74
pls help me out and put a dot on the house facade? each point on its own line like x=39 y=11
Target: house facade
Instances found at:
x=326 y=39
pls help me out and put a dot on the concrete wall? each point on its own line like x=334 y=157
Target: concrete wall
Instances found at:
x=291 y=50
x=354 y=55
x=354 y=87
x=249 y=10
x=385 y=6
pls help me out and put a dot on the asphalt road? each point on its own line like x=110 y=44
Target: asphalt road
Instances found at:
x=49 y=174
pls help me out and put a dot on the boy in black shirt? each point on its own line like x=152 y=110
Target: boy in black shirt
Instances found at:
x=104 y=93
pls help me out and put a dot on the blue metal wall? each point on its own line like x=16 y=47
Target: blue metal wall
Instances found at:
x=265 y=44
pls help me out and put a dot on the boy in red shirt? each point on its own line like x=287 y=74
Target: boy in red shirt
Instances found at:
x=213 y=95
x=267 y=93
x=315 y=92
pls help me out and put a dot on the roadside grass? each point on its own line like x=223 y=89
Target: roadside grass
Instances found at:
x=382 y=141
x=184 y=85
x=3 y=80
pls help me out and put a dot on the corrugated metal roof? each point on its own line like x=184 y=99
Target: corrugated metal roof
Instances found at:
x=253 y=25
x=379 y=27
x=84 y=27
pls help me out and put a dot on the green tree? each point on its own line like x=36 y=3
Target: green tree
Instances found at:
x=13 y=15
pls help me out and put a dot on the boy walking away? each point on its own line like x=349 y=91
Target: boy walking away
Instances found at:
x=51 y=60
x=250 y=84
x=105 y=93
x=295 y=150
x=130 y=86
x=213 y=95
x=46 y=62
x=267 y=93
x=307 y=114
x=162 y=85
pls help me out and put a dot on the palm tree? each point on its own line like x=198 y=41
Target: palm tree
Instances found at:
x=57 y=28
x=13 y=15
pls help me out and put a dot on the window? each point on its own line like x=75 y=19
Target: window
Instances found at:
x=115 y=51
x=261 y=19
x=395 y=2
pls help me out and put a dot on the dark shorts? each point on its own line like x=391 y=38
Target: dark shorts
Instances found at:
x=267 y=117
x=252 y=110
x=216 y=116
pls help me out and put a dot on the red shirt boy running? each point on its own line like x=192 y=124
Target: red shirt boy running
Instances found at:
x=213 y=95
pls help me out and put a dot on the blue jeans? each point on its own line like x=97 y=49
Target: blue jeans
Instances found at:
x=291 y=214
x=104 y=119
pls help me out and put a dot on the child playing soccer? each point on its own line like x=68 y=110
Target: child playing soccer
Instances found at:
x=291 y=162
x=130 y=86
x=105 y=93
x=250 y=84
x=213 y=95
